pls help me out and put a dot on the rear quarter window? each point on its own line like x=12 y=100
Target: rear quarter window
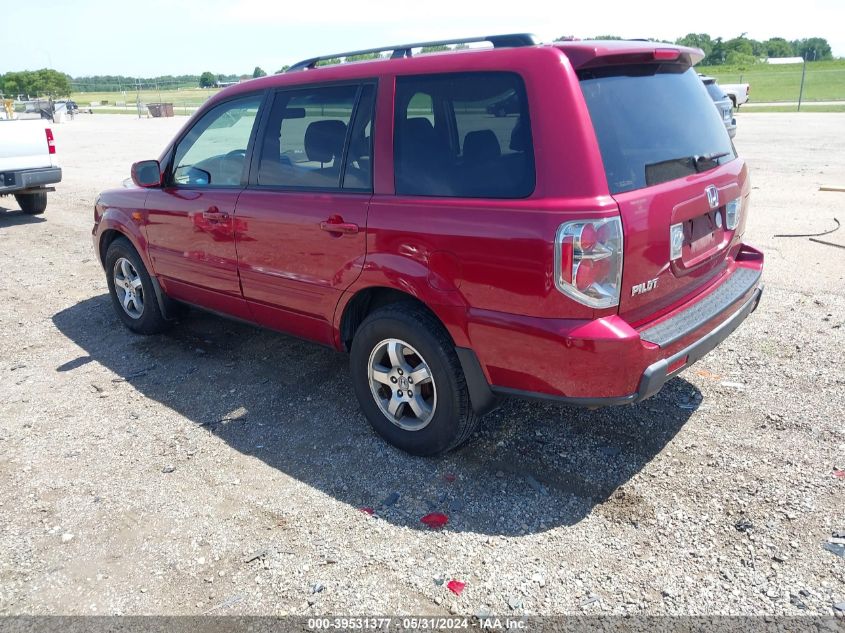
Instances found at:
x=463 y=135
x=715 y=92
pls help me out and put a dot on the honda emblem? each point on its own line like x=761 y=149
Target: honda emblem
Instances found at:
x=712 y=196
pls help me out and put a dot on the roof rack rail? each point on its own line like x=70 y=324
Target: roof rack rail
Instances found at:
x=509 y=40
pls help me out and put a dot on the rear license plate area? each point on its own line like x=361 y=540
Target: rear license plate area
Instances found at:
x=703 y=232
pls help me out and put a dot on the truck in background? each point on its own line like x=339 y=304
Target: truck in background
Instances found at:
x=28 y=163
x=737 y=93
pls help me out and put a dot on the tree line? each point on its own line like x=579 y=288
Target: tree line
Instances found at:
x=743 y=51
x=36 y=83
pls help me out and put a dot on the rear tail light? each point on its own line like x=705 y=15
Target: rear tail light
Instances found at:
x=666 y=54
x=732 y=210
x=588 y=261
x=51 y=144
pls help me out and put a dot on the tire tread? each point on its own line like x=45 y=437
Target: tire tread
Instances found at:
x=152 y=321
x=419 y=317
x=32 y=203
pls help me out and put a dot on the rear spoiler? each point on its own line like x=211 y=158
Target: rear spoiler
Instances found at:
x=589 y=54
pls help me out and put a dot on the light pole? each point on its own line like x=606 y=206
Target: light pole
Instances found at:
x=803 y=73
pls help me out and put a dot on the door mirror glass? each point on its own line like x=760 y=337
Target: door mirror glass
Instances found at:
x=146 y=173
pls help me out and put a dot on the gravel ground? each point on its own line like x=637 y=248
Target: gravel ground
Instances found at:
x=222 y=469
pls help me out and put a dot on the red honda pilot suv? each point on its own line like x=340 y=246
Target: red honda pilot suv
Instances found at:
x=582 y=244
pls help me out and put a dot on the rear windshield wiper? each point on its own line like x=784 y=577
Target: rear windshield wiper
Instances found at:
x=666 y=170
x=713 y=157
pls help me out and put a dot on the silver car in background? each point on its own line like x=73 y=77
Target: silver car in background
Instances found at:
x=723 y=103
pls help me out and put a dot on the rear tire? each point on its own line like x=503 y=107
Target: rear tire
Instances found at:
x=32 y=203
x=429 y=417
x=131 y=289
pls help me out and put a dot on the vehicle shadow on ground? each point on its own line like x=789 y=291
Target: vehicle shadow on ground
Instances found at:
x=289 y=403
x=11 y=217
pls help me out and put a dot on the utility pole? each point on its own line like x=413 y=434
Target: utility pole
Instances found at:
x=801 y=91
x=138 y=96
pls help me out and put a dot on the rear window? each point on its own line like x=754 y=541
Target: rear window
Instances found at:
x=463 y=135
x=654 y=123
x=715 y=92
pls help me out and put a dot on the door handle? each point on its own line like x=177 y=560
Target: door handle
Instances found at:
x=213 y=214
x=335 y=226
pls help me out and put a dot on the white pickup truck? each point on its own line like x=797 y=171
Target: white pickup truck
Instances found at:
x=28 y=163
x=738 y=93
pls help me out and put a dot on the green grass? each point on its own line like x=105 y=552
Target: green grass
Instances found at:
x=805 y=107
x=190 y=97
x=825 y=81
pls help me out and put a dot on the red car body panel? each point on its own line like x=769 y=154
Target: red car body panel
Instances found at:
x=485 y=267
x=581 y=359
x=191 y=244
x=292 y=271
x=646 y=214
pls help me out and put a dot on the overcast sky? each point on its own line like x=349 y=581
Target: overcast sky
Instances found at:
x=162 y=37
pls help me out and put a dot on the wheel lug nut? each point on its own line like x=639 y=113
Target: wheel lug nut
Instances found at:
x=399 y=393
x=393 y=379
x=401 y=372
x=410 y=393
x=410 y=380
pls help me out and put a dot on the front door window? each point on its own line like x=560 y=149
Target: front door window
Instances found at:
x=213 y=153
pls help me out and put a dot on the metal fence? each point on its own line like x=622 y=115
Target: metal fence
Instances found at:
x=134 y=98
x=788 y=83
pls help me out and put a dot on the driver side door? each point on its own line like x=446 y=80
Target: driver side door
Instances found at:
x=190 y=222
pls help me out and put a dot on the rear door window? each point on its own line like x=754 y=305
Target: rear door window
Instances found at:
x=654 y=123
x=307 y=136
x=463 y=135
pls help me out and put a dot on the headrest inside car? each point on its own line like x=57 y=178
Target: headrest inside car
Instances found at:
x=481 y=145
x=324 y=140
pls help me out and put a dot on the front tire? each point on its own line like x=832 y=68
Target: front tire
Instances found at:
x=32 y=203
x=131 y=289
x=409 y=381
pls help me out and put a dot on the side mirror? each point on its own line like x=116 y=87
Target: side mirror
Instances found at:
x=146 y=173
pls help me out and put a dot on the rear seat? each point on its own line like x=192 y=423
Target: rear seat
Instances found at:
x=483 y=166
x=424 y=163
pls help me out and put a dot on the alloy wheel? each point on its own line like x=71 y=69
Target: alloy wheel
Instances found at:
x=402 y=384
x=128 y=287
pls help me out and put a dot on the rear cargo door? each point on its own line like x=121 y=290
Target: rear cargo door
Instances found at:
x=669 y=162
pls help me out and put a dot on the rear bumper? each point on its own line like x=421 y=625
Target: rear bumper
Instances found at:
x=658 y=373
x=607 y=361
x=22 y=179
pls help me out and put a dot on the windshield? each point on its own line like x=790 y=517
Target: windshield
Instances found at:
x=653 y=115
